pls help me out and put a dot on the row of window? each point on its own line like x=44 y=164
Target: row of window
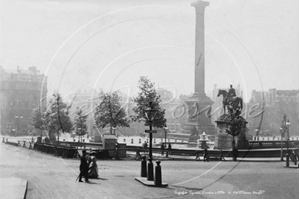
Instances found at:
x=23 y=104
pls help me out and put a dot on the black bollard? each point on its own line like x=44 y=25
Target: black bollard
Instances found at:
x=3 y=140
x=144 y=167
x=150 y=170
x=157 y=179
x=287 y=160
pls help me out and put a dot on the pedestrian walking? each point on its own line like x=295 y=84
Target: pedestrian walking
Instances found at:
x=169 y=149
x=235 y=153
x=84 y=167
x=162 y=147
x=205 y=156
x=221 y=156
x=144 y=146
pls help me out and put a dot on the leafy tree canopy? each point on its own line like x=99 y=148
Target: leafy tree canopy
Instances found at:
x=80 y=123
x=110 y=112
x=57 y=115
x=148 y=98
x=38 y=120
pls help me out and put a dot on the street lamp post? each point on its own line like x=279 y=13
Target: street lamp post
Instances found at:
x=150 y=114
x=281 y=152
x=166 y=128
x=287 y=124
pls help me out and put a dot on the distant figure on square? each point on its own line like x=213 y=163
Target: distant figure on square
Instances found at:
x=221 y=156
x=84 y=167
x=205 y=155
x=145 y=145
x=162 y=147
x=169 y=148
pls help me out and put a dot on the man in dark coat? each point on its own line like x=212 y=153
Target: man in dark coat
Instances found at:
x=205 y=155
x=84 y=167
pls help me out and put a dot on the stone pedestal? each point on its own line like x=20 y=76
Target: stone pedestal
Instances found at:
x=198 y=106
x=224 y=141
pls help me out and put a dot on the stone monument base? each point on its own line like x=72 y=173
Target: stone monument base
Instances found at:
x=224 y=140
x=198 y=108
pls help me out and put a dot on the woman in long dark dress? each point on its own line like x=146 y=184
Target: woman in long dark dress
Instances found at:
x=93 y=168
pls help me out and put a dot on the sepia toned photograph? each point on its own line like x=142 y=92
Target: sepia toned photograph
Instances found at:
x=149 y=99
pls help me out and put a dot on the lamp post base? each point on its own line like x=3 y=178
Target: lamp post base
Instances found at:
x=287 y=160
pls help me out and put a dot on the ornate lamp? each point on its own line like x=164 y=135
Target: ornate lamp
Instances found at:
x=149 y=115
x=114 y=129
x=288 y=123
x=257 y=130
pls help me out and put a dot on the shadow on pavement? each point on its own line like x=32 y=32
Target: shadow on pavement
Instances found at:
x=188 y=188
x=99 y=179
x=241 y=160
x=91 y=182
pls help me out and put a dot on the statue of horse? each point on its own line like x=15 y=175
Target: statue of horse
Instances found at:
x=235 y=103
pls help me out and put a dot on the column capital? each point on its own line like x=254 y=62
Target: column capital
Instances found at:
x=200 y=5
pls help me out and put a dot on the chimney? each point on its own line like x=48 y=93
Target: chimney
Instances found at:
x=33 y=69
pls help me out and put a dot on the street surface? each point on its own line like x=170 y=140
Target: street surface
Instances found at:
x=53 y=177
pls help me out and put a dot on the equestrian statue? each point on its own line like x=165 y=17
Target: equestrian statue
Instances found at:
x=234 y=104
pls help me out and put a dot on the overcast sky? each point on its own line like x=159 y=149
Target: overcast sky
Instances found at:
x=110 y=44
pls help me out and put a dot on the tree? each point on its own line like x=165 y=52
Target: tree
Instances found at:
x=146 y=98
x=80 y=123
x=109 y=112
x=57 y=116
x=38 y=119
x=235 y=126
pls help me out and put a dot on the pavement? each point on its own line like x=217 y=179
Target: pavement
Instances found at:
x=13 y=188
x=48 y=176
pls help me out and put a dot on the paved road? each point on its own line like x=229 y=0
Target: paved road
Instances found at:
x=54 y=177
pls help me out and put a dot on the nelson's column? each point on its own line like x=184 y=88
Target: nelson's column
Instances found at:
x=199 y=103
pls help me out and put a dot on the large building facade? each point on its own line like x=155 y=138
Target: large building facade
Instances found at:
x=274 y=104
x=21 y=91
